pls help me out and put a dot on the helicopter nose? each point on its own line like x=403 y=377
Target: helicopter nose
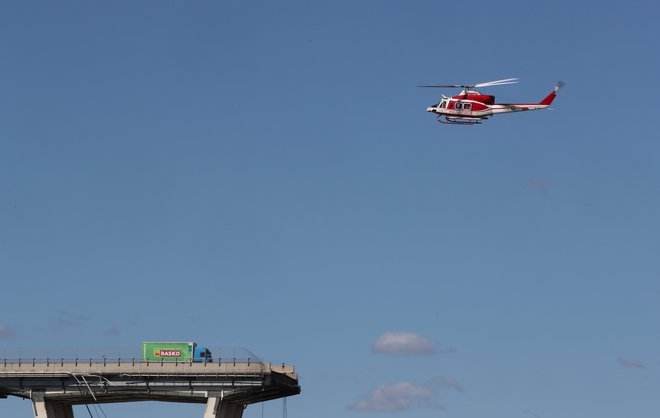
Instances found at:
x=430 y=109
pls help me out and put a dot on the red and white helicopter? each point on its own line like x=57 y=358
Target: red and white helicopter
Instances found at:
x=471 y=107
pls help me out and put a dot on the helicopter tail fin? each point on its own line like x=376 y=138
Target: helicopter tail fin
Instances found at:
x=550 y=97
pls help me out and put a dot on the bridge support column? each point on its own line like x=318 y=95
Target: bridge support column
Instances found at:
x=216 y=408
x=48 y=409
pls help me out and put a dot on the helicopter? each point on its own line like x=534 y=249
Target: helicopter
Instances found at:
x=470 y=107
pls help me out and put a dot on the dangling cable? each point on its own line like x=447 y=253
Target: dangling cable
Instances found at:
x=89 y=411
x=97 y=405
x=80 y=388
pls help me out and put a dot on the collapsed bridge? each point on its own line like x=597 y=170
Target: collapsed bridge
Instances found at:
x=226 y=386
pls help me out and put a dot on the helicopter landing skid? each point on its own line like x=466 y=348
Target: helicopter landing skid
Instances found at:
x=458 y=121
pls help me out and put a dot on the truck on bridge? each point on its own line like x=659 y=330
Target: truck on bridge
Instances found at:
x=175 y=352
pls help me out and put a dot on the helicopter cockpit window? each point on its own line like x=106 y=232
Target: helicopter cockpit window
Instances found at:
x=443 y=104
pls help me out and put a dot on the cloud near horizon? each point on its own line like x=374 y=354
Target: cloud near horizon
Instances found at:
x=531 y=413
x=405 y=395
x=112 y=331
x=406 y=344
x=70 y=319
x=628 y=362
x=6 y=332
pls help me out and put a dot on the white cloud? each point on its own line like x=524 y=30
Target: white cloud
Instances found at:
x=405 y=395
x=404 y=343
x=628 y=362
x=394 y=397
x=6 y=332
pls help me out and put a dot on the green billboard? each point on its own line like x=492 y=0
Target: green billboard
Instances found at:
x=167 y=352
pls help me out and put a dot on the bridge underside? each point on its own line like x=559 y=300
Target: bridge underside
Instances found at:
x=215 y=408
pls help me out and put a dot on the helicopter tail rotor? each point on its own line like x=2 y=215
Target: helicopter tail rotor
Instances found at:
x=550 y=97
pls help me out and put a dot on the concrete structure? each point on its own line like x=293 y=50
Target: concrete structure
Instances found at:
x=225 y=387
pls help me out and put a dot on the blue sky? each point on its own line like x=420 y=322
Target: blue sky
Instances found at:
x=264 y=175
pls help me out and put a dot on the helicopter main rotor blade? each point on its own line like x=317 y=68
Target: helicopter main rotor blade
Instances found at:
x=470 y=86
x=498 y=82
x=443 y=85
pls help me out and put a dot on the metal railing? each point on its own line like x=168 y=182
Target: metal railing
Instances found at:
x=115 y=356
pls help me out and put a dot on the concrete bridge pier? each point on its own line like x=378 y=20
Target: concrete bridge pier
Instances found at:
x=217 y=408
x=50 y=409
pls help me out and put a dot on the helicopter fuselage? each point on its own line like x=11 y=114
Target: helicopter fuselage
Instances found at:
x=471 y=107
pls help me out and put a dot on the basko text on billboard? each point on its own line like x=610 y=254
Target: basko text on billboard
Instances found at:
x=167 y=353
